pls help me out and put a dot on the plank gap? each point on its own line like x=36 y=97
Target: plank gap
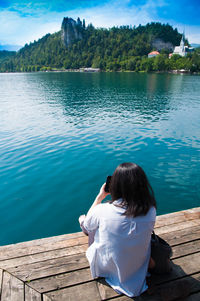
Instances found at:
x=183 y=243
x=57 y=274
x=175 y=279
x=68 y=286
x=191 y=253
x=47 y=251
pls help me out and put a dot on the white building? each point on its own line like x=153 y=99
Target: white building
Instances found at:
x=182 y=50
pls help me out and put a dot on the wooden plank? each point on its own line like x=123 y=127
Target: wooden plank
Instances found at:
x=50 y=267
x=16 y=262
x=12 y=288
x=182 y=266
x=176 y=237
x=177 y=217
x=1 y=278
x=46 y=298
x=31 y=294
x=186 y=249
x=105 y=290
x=176 y=227
x=182 y=236
x=86 y=292
x=193 y=287
x=17 y=252
x=48 y=284
x=41 y=241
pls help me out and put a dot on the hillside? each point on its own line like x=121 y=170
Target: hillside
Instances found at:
x=4 y=55
x=117 y=48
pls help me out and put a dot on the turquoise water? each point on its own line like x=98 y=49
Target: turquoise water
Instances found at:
x=61 y=134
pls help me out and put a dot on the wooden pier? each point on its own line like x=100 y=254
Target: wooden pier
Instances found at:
x=56 y=268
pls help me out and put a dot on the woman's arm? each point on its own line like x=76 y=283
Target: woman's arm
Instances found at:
x=99 y=198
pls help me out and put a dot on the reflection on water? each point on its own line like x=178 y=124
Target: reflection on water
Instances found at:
x=63 y=133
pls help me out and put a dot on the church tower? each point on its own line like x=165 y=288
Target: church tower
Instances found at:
x=182 y=43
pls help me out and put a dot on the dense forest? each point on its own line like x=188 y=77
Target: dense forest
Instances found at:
x=4 y=55
x=115 y=49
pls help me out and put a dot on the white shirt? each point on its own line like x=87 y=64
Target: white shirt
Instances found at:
x=121 y=248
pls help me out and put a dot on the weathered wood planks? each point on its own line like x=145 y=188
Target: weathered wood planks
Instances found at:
x=1 y=278
x=87 y=292
x=38 y=257
x=50 y=267
x=12 y=288
x=64 y=280
x=31 y=294
x=177 y=217
x=56 y=269
x=12 y=252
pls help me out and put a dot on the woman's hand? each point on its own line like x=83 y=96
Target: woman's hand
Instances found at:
x=100 y=197
x=102 y=194
x=81 y=219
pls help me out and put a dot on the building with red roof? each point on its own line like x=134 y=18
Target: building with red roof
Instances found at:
x=153 y=54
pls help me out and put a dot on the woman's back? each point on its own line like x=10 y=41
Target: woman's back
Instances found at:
x=121 y=248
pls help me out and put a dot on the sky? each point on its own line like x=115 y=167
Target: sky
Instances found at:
x=25 y=21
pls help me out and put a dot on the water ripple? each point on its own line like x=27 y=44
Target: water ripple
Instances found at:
x=61 y=134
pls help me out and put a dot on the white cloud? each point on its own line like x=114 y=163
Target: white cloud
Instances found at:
x=18 y=29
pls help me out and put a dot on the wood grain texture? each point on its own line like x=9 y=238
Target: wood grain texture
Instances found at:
x=56 y=268
x=31 y=294
x=177 y=227
x=12 y=288
x=1 y=278
x=182 y=236
x=186 y=249
x=61 y=281
x=177 y=217
x=50 y=267
x=29 y=259
x=168 y=290
x=182 y=266
x=15 y=252
x=46 y=298
x=41 y=241
x=84 y=292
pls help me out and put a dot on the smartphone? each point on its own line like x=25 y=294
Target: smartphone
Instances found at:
x=107 y=187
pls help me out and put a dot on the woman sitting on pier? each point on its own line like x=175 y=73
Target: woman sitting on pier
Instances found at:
x=121 y=231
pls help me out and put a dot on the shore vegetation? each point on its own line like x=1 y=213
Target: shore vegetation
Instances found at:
x=123 y=48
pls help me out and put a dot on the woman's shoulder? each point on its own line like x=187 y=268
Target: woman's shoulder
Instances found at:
x=151 y=214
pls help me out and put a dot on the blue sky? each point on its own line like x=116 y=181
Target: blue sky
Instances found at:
x=25 y=21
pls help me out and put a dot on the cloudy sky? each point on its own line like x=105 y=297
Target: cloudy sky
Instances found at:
x=25 y=21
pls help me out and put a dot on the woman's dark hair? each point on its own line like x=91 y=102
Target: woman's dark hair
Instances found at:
x=130 y=183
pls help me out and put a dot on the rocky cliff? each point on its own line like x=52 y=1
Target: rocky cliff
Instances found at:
x=72 y=30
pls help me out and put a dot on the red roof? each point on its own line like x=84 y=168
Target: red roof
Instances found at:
x=154 y=52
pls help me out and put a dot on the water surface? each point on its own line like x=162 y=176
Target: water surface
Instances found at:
x=61 y=134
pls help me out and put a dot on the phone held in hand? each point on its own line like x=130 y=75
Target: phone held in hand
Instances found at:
x=107 y=187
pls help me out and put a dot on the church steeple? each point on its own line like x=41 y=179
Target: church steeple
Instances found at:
x=182 y=43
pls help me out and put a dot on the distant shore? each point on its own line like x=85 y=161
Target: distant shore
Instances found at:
x=182 y=71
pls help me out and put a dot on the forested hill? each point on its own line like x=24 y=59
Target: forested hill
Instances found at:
x=4 y=55
x=117 y=48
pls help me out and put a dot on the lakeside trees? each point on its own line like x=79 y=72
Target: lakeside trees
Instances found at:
x=118 y=48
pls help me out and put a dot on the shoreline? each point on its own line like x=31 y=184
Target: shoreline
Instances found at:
x=107 y=71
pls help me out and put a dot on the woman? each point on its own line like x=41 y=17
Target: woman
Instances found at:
x=121 y=248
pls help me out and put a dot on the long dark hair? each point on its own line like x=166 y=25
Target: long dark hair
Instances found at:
x=130 y=183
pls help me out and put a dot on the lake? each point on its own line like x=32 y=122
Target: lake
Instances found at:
x=61 y=134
